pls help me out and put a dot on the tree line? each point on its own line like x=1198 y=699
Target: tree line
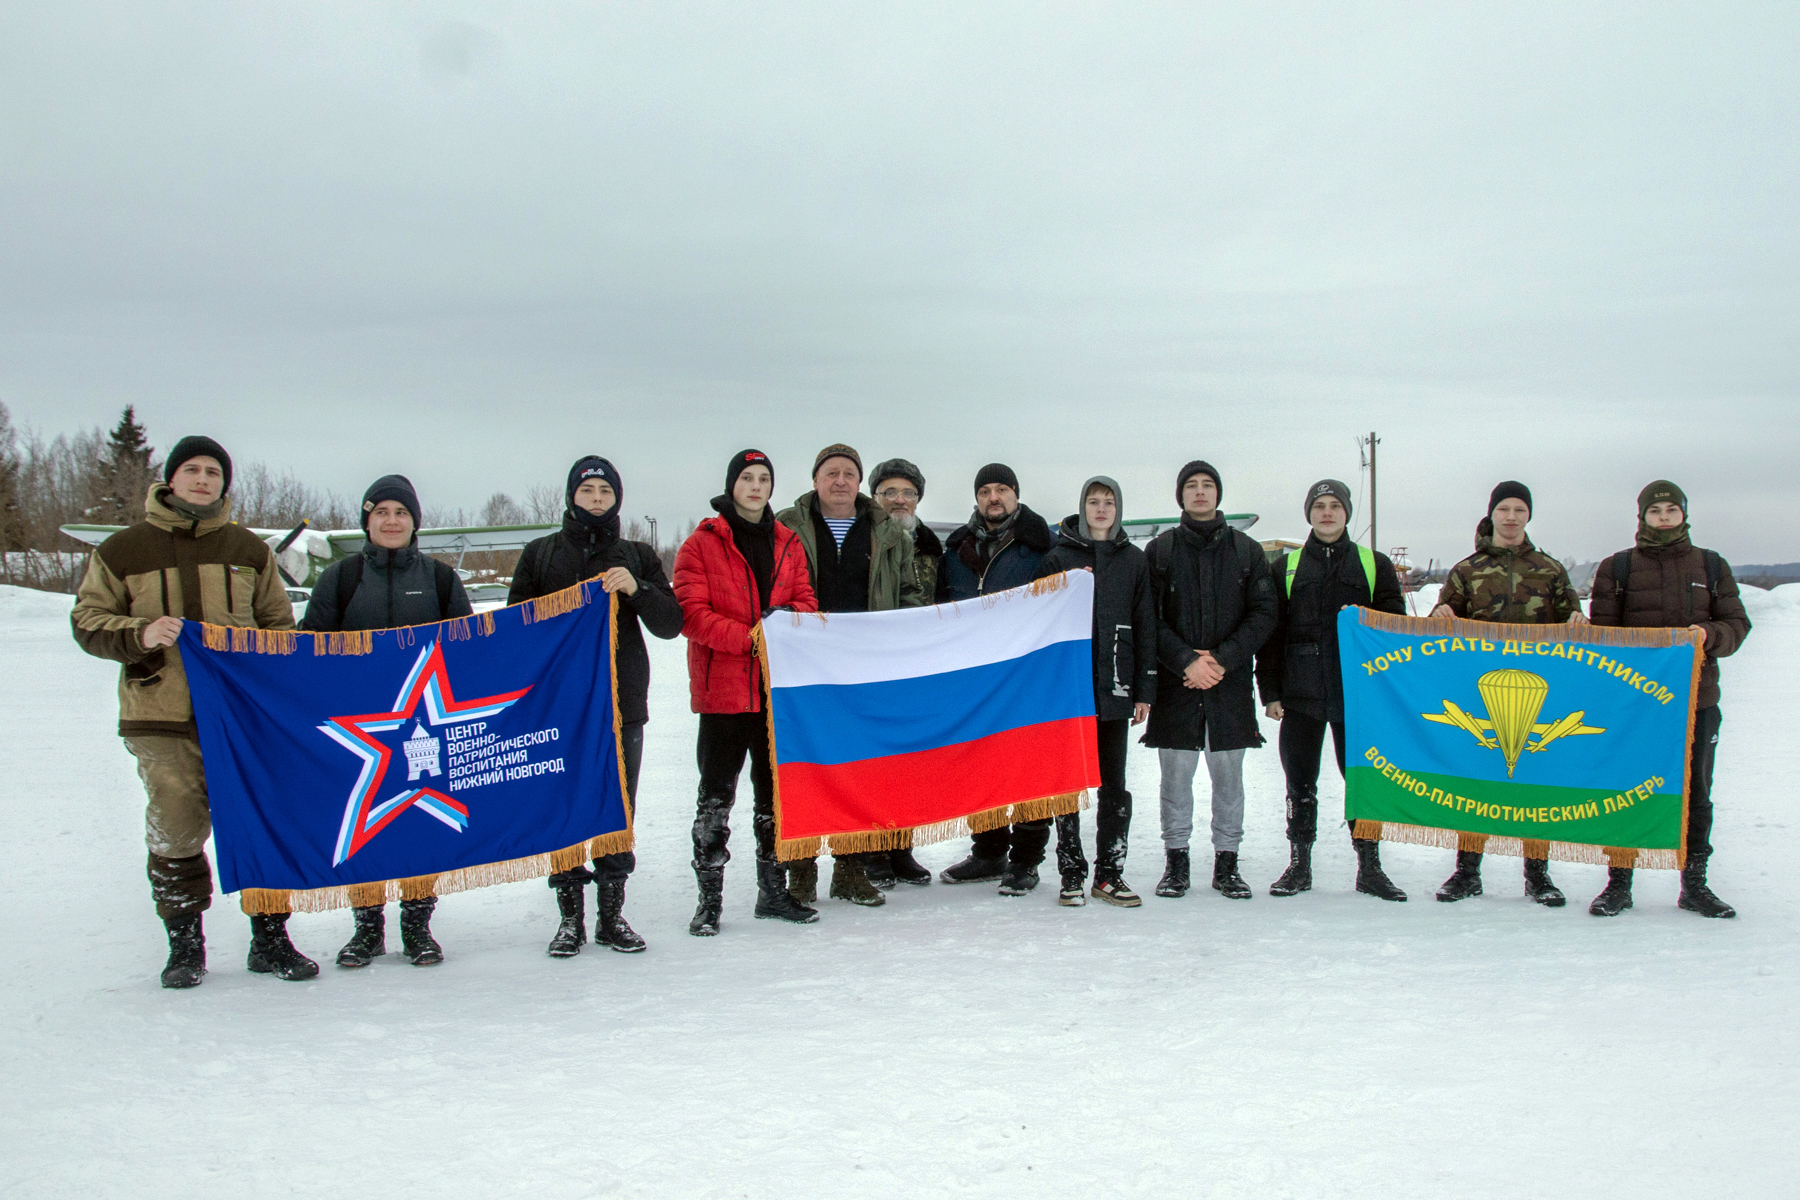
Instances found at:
x=100 y=477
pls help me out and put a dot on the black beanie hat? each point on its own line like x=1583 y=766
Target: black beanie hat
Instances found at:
x=1658 y=492
x=592 y=466
x=746 y=458
x=392 y=487
x=898 y=468
x=1511 y=489
x=193 y=447
x=997 y=473
x=1327 y=487
x=1199 y=467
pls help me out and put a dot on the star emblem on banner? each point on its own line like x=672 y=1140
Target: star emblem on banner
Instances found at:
x=429 y=683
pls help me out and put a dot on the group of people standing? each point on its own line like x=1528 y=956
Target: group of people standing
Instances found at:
x=1185 y=631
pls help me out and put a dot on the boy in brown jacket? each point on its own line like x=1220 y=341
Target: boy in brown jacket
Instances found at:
x=185 y=561
x=1666 y=581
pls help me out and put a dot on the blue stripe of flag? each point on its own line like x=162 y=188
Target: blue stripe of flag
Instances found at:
x=830 y=724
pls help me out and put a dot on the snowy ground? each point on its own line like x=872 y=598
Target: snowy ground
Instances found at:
x=953 y=1043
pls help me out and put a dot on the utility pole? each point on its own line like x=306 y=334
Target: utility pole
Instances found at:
x=1371 y=443
x=654 y=544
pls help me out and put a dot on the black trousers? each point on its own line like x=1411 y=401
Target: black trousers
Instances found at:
x=1700 y=777
x=726 y=739
x=1112 y=818
x=615 y=868
x=1302 y=743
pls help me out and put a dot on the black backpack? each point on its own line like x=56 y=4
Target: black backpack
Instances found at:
x=350 y=575
x=1621 y=573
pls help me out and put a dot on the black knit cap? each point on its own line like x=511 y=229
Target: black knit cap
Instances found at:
x=997 y=473
x=747 y=458
x=392 y=487
x=1200 y=467
x=1510 y=489
x=592 y=466
x=194 y=446
x=1658 y=492
x=898 y=468
x=1328 y=487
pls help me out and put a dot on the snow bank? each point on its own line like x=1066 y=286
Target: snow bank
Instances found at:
x=1780 y=604
x=19 y=604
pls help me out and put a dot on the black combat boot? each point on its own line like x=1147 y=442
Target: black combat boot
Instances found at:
x=187 y=952
x=1018 y=878
x=712 y=901
x=612 y=930
x=1617 y=896
x=1538 y=886
x=1226 y=880
x=803 y=880
x=1695 y=895
x=773 y=900
x=1175 y=880
x=416 y=942
x=1074 y=890
x=974 y=869
x=907 y=869
x=879 y=868
x=368 y=941
x=272 y=954
x=1298 y=877
x=571 y=931
x=1465 y=881
x=1370 y=878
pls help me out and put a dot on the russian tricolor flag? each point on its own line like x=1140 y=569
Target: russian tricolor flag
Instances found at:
x=933 y=716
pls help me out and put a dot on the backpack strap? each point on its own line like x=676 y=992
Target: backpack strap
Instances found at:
x=446 y=585
x=1621 y=573
x=1715 y=571
x=349 y=579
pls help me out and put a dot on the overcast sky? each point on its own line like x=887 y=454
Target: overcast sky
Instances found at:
x=1558 y=243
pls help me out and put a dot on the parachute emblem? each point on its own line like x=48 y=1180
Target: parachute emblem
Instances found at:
x=1514 y=700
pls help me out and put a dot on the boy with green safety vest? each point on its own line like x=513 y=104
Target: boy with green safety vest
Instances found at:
x=1297 y=672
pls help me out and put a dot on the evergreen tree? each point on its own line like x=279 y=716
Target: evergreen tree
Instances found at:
x=125 y=472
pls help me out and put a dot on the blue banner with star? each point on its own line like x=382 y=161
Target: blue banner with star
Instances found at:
x=427 y=759
x=1551 y=741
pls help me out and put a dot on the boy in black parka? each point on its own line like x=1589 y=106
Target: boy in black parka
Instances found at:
x=1124 y=680
x=589 y=545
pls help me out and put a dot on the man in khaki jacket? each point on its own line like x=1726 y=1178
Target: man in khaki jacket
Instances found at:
x=185 y=561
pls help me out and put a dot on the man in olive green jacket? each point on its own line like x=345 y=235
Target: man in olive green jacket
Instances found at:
x=859 y=560
x=186 y=561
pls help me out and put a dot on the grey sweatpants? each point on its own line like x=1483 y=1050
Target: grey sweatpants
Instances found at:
x=1227 y=770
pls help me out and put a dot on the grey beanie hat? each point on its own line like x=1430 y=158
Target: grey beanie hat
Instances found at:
x=1327 y=487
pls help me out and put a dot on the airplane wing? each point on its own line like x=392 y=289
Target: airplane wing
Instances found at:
x=449 y=540
x=1455 y=717
x=1569 y=726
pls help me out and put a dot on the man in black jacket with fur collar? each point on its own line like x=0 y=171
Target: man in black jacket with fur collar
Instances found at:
x=589 y=545
x=1215 y=606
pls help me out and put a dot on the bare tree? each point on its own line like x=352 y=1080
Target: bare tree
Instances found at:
x=502 y=509
x=545 y=504
x=12 y=531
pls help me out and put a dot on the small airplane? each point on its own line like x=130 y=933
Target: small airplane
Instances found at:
x=1480 y=727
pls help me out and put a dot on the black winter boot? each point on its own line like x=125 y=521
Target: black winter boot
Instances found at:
x=1226 y=880
x=1617 y=896
x=612 y=930
x=1538 y=886
x=1175 y=880
x=803 y=880
x=272 y=954
x=1695 y=895
x=1074 y=890
x=1465 y=881
x=368 y=941
x=571 y=932
x=879 y=868
x=712 y=901
x=907 y=869
x=1370 y=878
x=773 y=900
x=1018 y=878
x=974 y=869
x=187 y=952
x=1298 y=877
x=416 y=942
x=850 y=882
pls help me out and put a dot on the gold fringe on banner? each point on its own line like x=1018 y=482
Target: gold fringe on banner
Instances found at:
x=1494 y=631
x=555 y=604
x=238 y=639
x=865 y=841
x=1575 y=852
x=351 y=642
x=419 y=887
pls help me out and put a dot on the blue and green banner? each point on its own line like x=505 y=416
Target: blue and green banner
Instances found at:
x=1553 y=741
